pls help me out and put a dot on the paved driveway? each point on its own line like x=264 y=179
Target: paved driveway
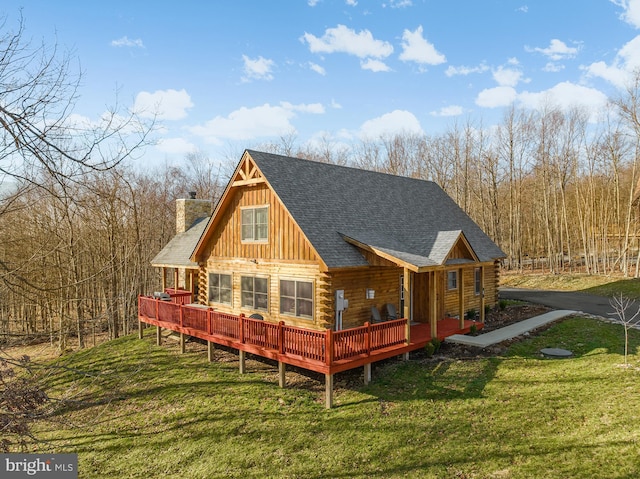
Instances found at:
x=587 y=303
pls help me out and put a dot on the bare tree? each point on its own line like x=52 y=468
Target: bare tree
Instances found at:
x=621 y=309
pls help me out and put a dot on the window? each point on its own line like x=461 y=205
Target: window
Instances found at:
x=254 y=292
x=220 y=288
x=255 y=224
x=477 y=277
x=452 y=280
x=296 y=298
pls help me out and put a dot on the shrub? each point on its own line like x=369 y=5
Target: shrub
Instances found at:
x=436 y=344
x=429 y=349
x=502 y=304
x=471 y=314
x=473 y=330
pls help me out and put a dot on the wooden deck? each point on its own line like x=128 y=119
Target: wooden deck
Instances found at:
x=326 y=352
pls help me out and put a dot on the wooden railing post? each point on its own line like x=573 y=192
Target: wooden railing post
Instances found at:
x=367 y=338
x=180 y=315
x=241 y=326
x=281 y=337
x=328 y=347
x=408 y=331
x=140 y=330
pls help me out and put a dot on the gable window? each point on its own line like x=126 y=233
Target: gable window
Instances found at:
x=219 y=288
x=452 y=280
x=477 y=279
x=296 y=298
x=254 y=293
x=255 y=224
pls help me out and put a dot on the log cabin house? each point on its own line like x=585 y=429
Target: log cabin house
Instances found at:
x=311 y=245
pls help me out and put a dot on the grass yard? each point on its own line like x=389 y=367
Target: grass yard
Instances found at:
x=586 y=283
x=135 y=410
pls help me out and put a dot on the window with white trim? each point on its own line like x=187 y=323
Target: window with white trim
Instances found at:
x=296 y=298
x=219 y=288
x=452 y=280
x=255 y=224
x=254 y=293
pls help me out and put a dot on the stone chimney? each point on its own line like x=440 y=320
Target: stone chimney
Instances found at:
x=189 y=210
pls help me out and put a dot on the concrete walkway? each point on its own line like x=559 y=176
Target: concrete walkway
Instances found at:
x=509 y=332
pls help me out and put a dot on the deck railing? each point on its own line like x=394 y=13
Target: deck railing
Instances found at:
x=327 y=347
x=180 y=296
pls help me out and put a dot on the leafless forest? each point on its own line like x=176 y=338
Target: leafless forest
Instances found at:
x=554 y=188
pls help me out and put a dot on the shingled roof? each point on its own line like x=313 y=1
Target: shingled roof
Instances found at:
x=336 y=206
x=177 y=252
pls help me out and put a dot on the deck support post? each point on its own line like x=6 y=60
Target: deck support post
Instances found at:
x=328 y=391
x=434 y=304
x=242 y=361
x=405 y=356
x=210 y=347
x=367 y=373
x=183 y=341
x=158 y=335
x=140 y=330
x=282 y=380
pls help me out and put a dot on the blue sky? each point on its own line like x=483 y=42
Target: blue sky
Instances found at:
x=227 y=75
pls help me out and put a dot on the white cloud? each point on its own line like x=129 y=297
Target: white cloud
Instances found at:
x=163 y=104
x=463 y=70
x=415 y=48
x=345 y=40
x=398 y=121
x=374 y=65
x=557 y=50
x=335 y=105
x=619 y=73
x=631 y=11
x=257 y=69
x=451 y=110
x=499 y=96
x=565 y=95
x=173 y=146
x=317 y=68
x=312 y=3
x=507 y=76
x=398 y=3
x=250 y=123
x=523 y=9
x=553 y=67
x=125 y=42
x=351 y=3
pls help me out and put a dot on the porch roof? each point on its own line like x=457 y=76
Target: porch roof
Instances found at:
x=417 y=253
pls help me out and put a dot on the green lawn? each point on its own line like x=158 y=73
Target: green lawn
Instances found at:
x=594 y=284
x=144 y=411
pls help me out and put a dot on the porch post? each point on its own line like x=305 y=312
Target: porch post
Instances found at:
x=406 y=291
x=183 y=341
x=482 y=294
x=158 y=335
x=281 y=374
x=461 y=297
x=434 y=304
x=164 y=278
x=328 y=391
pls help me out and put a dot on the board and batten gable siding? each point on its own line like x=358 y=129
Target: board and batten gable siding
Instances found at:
x=285 y=241
x=286 y=255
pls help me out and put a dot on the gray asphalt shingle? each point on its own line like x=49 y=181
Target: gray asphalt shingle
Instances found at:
x=415 y=219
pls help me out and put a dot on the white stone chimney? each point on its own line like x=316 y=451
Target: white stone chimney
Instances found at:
x=190 y=209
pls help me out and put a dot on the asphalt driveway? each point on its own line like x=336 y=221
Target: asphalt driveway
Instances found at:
x=586 y=303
